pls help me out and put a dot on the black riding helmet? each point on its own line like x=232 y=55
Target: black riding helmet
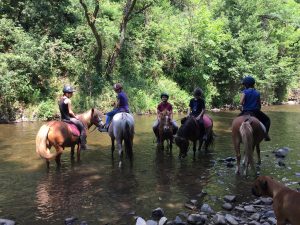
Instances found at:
x=248 y=81
x=164 y=94
x=198 y=92
x=68 y=89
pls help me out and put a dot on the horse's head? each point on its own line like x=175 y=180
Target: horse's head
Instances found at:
x=183 y=145
x=96 y=118
x=165 y=121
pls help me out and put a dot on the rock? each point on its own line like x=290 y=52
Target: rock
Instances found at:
x=229 y=165
x=163 y=221
x=83 y=223
x=194 y=201
x=254 y=223
x=190 y=206
x=178 y=221
x=230 y=219
x=206 y=208
x=229 y=159
x=7 y=222
x=229 y=198
x=282 y=152
x=250 y=209
x=151 y=222
x=281 y=163
x=227 y=206
x=269 y=213
x=267 y=201
x=157 y=213
x=195 y=219
x=255 y=216
x=140 y=221
x=70 y=220
x=240 y=209
x=219 y=219
x=272 y=220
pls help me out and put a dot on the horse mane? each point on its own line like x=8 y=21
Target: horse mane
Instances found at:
x=187 y=126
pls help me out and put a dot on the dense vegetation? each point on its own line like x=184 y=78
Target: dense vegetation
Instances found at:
x=150 y=46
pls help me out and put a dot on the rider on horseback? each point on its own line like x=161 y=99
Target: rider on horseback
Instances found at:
x=67 y=113
x=164 y=105
x=120 y=106
x=197 y=110
x=251 y=104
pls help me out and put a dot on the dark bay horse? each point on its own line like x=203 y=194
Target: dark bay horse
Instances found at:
x=165 y=130
x=59 y=134
x=248 y=130
x=122 y=129
x=190 y=130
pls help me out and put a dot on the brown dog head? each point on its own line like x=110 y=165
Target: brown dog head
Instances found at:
x=260 y=186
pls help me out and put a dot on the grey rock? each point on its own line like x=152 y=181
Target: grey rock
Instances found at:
x=163 y=221
x=238 y=208
x=195 y=219
x=219 y=219
x=282 y=152
x=267 y=201
x=255 y=216
x=206 y=208
x=272 y=220
x=70 y=220
x=157 y=213
x=7 y=222
x=249 y=208
x=253 y=222
x=140 y=221
x=229 y=198
x=227 y=206
x=230 y=219
x=151 y=222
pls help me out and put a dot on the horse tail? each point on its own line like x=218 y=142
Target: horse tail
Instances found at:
x=246 y=132
x=128 y=133
x=41 y=143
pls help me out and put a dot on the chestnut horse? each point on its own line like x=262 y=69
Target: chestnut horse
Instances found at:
x=190 y=130
x=121 y=129
x=59 y=135
x=165 y=130
x=248 y=130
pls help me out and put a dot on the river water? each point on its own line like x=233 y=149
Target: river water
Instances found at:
x=98 y=192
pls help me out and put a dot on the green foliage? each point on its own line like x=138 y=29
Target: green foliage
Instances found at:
x=45 y=110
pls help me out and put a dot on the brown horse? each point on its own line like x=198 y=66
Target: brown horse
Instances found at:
x=191 y=130
x=165 y=130
x=59 y=135
x=248 y=130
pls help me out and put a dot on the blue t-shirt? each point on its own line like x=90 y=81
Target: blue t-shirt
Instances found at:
x=251 y=100
x=123 y=102
x=196 y=105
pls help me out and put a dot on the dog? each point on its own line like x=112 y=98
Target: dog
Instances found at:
x=286 y=202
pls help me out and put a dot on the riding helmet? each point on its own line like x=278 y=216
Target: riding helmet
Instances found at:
x=164 y=94
x=248 y=81
x=198 y=92
x=118 y=86
x=68 y=89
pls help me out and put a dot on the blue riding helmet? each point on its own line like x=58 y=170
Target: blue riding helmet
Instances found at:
x=164 y=94
x=248 y=81
x=68 y=89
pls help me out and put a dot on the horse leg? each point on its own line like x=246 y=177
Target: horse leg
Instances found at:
x=194 y=147
x=72 y=152
x=112 y=147
x=258 y=154
x=200 y=144
x=119 y=143
x=59 y=151
x=78 y=151
x=236 y=143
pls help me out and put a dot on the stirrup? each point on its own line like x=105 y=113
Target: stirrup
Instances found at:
x=103 y=129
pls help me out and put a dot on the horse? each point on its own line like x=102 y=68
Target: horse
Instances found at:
x=165 y=130
x=121 y=129
x=190 y=130
x=248 y=130
x=61 y=134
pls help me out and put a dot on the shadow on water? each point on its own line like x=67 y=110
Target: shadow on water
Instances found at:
x=99 y=192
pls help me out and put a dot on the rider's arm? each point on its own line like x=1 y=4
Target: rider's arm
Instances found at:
x=71 y=113
x=242 y=100
x=201 y=114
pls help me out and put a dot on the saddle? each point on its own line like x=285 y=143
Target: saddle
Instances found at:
x=72 y=127
x=249 y=115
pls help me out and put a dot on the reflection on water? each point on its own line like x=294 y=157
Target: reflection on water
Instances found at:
x=97 y=191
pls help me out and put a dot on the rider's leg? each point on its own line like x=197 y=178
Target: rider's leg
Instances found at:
x=155 y=129
x=265 y=121
x=109 y=116
x=82 y=130
x=175 y=127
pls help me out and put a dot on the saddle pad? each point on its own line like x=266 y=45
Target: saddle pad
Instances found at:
x=73 y=129
x=207 y=121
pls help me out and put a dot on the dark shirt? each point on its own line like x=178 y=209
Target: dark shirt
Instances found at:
x=251 y=100
x=164 y=106
x=196 y=105
x=63 y=108
x=123 y=102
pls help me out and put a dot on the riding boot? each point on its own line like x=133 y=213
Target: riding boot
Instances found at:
x=83 y=142
x=103 y=129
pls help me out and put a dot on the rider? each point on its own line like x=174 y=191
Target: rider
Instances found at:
x=120 y=106
x=67 y=114
x=197 y=109
x=164 y=105
x=250 y=102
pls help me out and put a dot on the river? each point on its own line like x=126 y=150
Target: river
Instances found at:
x=98 y=192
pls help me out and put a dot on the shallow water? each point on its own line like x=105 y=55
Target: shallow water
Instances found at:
x=97 y=191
